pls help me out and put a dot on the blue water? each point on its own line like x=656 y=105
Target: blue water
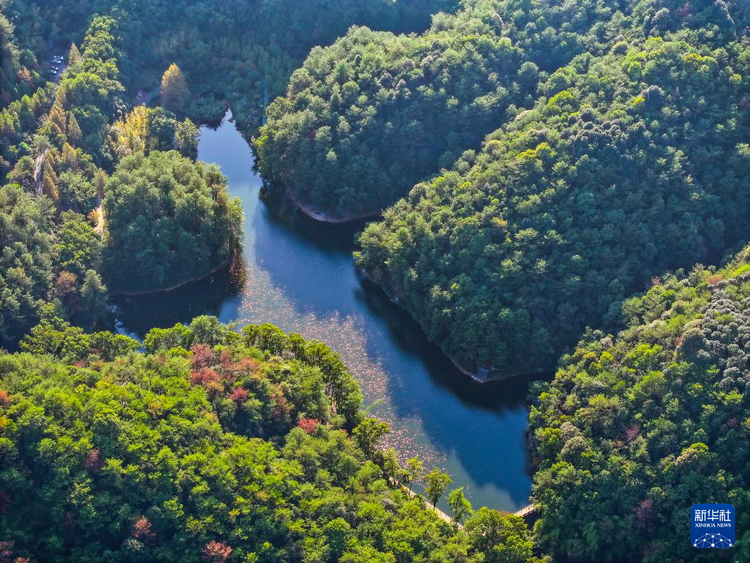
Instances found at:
x=299 y=275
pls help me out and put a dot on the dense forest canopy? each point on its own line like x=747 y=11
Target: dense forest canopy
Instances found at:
x=231 y=51
x=535 y=164
x=608 y=181
x=213 y=446
x=59 y=146
x=63 y=137
x=366 y=118
x=635 y=428
x=26 y=260
x=169 y=220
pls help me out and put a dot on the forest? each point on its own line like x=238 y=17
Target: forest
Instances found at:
x=600 y=175
x=602 y=163
x=636 y=426
x=366 y=118
x=71 y=139
x=238 y=52
x=508 y=256
x=90 y=156
x=552 y=187
x=211 y=445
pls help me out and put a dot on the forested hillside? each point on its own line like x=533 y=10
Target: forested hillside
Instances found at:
x=536 y=163
x=607 y=182
x=629 y=164
x=62 y=141
x=213 y=446
x=366 y=118
x=169 y=220
x=237 y=52
x=59 y=146
x=635 y=428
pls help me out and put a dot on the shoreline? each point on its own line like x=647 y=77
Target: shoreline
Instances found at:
x=479 y=376
x=306 y=210
x=322 y=217
x=138 y=292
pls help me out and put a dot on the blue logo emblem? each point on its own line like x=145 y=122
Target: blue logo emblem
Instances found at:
x=712 y=525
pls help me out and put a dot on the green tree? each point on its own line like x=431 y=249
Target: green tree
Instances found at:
x=78 y=247
x=369 y=433
x=93 y=297
x=391 y=467
x=459 y=504
x=414 y=471
x=74 y=130
x=23 y=174
x=501 y=538
x=436 y=483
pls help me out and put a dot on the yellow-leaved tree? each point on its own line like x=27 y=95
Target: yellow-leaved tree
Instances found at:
x=175 y=93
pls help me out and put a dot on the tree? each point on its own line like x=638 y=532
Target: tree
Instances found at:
x=57 y=119
x=76 y=192
x=207 y=330
x=23 y=174
x=78 y=247
x=93 y=297
x=66 y=290
x=391 y=467
x=368 y=434
x=338 y=531
x=502 y=538
x=74 y=55
x=49 y=183
x=459 y=504
x=175 y=94
x=74 y=130
x=437 y=482
x=414 y=471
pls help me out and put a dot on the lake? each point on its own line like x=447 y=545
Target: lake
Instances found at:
x=299 y=275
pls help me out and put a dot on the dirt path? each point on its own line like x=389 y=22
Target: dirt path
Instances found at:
x=38 y=163
x=99 y=228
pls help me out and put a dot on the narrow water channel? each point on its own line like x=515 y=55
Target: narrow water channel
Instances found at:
x=299 y=275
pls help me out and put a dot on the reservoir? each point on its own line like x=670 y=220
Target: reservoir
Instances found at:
x=299 y=275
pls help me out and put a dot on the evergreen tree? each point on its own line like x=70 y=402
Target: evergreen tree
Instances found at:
x=74 y=55
x=175 y=94
x=93 y=297
x=74 y=130
x=49 y=185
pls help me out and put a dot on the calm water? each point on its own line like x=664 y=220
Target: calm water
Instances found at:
x=299 y=275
